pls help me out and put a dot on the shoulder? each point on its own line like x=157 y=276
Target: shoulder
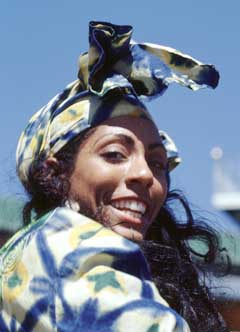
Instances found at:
x=71 y=264
x=63 y=236
x=63 y=245
x=71 y=239
x=10 y=252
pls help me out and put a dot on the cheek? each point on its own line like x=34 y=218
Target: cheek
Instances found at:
x=108 y=181
x=160 y=192
x=161 y=189
x=97 y=181
x=82 y=186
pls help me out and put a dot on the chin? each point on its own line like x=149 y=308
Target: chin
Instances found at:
x=128 y=233
x=123 y=226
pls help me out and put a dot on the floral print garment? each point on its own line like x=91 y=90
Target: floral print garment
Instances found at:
x=66 y=272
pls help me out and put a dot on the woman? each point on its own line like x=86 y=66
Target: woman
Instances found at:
x=96 y=169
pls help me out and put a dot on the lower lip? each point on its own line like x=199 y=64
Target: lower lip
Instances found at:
x=125 y=217
x=126 y=225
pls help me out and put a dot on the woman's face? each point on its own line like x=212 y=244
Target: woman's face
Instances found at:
x=120 y=176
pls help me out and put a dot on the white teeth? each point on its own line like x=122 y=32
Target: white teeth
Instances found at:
x=131 y=207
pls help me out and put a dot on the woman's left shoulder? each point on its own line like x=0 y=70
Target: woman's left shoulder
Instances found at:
x=11 y=251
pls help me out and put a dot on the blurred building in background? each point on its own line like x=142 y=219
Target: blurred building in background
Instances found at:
x=226 y=198
x=226 y=184
x=10 y=217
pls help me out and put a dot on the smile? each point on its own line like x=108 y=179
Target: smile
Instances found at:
x=132 y=207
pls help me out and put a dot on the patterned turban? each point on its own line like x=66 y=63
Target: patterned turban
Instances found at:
x=114 y=74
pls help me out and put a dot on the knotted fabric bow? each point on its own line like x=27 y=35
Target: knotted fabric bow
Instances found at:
x=114 y=66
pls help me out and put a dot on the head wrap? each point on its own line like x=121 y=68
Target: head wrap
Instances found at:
x=114 y=65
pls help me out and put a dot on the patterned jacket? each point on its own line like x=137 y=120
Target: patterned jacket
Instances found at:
x=66 y=272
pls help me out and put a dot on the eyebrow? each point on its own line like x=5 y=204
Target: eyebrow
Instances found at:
x=129 y=141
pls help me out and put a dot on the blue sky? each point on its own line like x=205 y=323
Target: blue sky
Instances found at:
x=40 y=44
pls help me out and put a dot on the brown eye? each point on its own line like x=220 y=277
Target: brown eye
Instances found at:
x=114 y=156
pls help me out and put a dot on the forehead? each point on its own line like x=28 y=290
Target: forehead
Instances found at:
x=140 y=129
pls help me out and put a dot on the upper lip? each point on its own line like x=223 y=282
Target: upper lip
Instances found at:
x=134 y=199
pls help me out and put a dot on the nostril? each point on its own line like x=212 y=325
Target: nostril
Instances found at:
x=143 y=177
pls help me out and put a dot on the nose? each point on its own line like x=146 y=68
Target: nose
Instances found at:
x=140 y=173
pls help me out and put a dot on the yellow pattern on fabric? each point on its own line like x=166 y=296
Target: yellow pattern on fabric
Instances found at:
x=14 y=282
x=71 y=114
x=84 y=232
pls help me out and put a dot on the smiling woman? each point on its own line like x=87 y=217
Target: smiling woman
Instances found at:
x=96 y=170
x=130 y=185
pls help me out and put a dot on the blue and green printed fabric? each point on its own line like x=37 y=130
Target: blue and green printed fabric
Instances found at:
x=114 y=64
x=66 y=272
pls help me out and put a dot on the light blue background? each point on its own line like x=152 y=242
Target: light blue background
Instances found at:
x=40 y=44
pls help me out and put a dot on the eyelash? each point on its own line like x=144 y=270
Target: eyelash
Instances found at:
x=118 y=157
x=113 y=156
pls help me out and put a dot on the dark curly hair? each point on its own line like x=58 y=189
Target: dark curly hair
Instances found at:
x=166 y=247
